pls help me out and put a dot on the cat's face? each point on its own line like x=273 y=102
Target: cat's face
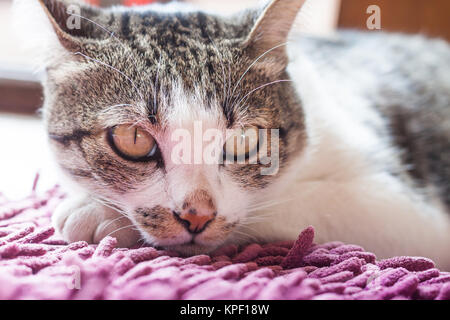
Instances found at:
x=131 y=115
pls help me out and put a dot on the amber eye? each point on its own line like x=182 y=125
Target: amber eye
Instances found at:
x=132 y=142
x=242 y=143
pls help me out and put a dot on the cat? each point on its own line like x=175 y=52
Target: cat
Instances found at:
x=361 y=121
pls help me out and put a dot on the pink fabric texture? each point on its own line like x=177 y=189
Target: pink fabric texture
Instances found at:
x=34 y=264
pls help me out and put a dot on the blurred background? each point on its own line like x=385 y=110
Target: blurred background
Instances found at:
x=23 y=148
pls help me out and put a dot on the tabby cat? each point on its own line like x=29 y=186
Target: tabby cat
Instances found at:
x=356 y=129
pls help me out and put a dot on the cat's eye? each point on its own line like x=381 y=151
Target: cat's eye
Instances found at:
x=132 y=143
x=242 y=143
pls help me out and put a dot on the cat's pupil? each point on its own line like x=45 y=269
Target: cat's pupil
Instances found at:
x=132 y=143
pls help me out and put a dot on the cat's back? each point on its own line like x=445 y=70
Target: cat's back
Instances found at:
x=404 y=78
x=391 y=67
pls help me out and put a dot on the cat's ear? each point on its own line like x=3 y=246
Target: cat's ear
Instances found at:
x=270 y=33
x=68 y=19
x=57 y=14
x=66 y=22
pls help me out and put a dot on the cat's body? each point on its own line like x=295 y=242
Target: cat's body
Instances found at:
x=377 y=170
x=363 y=148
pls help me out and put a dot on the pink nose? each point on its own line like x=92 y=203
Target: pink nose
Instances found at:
x=198 y=211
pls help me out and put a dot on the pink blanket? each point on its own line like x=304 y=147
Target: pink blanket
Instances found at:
x=34 y=264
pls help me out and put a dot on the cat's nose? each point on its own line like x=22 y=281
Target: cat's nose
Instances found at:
x=198 y=211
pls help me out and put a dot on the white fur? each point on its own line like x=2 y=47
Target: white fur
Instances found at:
x=340 y=185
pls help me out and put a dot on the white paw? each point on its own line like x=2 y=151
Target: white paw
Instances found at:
x=83 y=219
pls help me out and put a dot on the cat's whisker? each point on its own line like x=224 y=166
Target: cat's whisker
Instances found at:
x=254 y=217
x=111 y=33
x=110 y=204
x=115 y=69
x=243 y=100
x=104 y=203
x=258 y=205
x=240 y=238
x=246 y=226
x=112 y=221
x=253 y=212
x=269 y=203
x=256 y=61
x=255 y=236
x=261 y=202
x=253 y=220
x=116 y=207
x=109 y=200
x=119 y=229
x=136 y=229
x=245 y=236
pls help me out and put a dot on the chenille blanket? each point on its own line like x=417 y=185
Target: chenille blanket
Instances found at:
x=36 y=264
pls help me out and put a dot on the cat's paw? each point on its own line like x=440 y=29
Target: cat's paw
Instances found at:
x=83 y=219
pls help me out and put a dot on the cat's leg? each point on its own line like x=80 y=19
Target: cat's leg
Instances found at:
x=83 y=219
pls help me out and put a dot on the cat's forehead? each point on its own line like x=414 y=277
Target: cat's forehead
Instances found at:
x=179 y=29
x=197 y=48
x=191 y=45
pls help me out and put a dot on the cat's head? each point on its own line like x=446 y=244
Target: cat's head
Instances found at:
x=139 y=103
